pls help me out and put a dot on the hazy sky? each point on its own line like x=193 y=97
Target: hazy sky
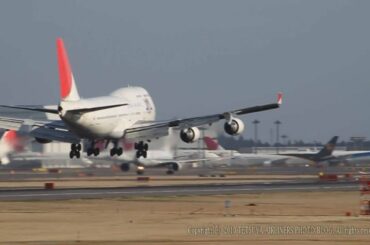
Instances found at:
x=198 y=57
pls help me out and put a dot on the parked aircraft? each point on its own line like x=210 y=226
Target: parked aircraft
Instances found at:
x=244 y=159
x=325 y=154
x=329 y=156
x=164 y=156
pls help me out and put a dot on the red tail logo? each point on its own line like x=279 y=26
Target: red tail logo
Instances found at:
x=13 y=140
x=212 y=145
x=65 y=72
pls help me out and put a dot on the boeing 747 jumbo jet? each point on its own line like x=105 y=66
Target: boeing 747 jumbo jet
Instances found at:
x=127 y=113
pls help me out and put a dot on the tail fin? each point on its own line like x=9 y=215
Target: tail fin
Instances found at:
x=68 y=89
x=212 y=144
x=328 y=148
x=12 y=140
x=9 y=137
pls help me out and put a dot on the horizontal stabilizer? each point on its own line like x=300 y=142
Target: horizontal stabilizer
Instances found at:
x=39 y=109
x=83 y=110
x=55 y=111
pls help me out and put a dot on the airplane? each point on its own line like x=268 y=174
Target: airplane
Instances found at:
x=244 y=159
x=328 y=155
x=127 y=113
x=325 y=154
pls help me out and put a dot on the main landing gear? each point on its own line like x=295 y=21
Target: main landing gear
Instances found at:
x=93 y=150
x=141 y=149
x=75 y=151
x=116 y=150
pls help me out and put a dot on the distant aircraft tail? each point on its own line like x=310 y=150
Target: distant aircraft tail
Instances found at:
x=68 y=89
x=328 y=148
x=212 y=144
x=11 y=140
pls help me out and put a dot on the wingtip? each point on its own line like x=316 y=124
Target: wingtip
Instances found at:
x=280 y=98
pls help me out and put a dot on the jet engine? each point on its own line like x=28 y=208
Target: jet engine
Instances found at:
x=234 y=127
x=125 y=167
x=175 y=166
x=189 y=135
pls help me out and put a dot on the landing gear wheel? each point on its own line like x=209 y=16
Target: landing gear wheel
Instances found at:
x=75 y=151
x=90 y=151
x=112 y=152
x=141 y=149
x=96 y=151
x=169 y=172
x=138 y=154
x=119 y=151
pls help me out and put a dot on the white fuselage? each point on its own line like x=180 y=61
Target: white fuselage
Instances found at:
x=156 y=158
x=109 y=123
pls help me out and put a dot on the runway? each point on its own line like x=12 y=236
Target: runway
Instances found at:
x=179 y=190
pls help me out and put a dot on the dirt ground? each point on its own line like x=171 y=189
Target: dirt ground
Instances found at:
x=266 y=218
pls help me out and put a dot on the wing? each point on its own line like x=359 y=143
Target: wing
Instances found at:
x=149 y=130
x=46 y=129
x=307 y=156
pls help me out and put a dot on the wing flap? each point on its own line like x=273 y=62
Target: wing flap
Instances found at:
x=146 y=132
x=54 y=134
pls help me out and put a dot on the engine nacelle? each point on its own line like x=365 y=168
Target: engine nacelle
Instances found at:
x=125 y=167
x=190 y=135
x=42 y=141
x=175 y=166
x=235 y=127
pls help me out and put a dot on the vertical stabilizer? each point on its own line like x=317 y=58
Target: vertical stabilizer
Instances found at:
x=10 y=139
x=68 y=89
x=328 y=148
x=212 y=144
